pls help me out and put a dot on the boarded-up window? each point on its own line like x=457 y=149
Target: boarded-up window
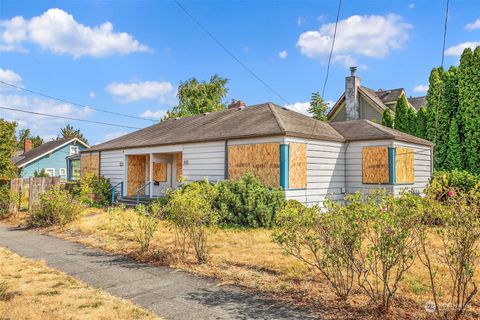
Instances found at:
x=375 y=165
x=89 y=163
x=297 y=174
x=160 y=172
x=404 y=165
x=263 y=160
x=178 y=166
x=137 y=169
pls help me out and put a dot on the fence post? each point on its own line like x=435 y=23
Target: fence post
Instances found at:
x=30 y=194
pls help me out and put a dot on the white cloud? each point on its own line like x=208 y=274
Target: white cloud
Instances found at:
x=92 y=95
x=283 y=54
x=458 y=49
x=44 y=126
x=128 y=92
x=113 y=135
x=369 y=36
x=153 y=114
x=300 y=21
x=58 y=31
x=301 y=107
x=10 y=77
x=421 y=88
x=474 y=25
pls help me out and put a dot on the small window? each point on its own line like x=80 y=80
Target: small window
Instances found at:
x=63 y=171
x=73 y=149
x=50 y=171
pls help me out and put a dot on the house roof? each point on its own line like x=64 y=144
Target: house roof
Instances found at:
x=418 y=102
x=40 y=151
x=265 y=119
x=357 y=130
x=389 y=96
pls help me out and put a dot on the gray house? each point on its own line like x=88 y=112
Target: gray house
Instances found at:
x=366 y=103
x=309 y=159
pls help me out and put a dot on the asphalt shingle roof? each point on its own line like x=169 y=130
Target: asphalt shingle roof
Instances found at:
x=418 y=102
x=38 y=151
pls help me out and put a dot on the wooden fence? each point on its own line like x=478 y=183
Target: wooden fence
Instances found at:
x=26 y=191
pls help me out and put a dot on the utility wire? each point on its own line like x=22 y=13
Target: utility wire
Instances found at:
x=331 y=49
x=75 y=104
x=69 y=118
x=229 y=52
x=445 y=32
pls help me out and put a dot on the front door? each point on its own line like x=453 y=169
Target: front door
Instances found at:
x=136 y=173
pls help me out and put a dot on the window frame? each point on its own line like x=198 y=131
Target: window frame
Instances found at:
x=50 y=169
x=74 y=148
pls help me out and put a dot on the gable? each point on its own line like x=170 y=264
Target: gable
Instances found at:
x=367 y=112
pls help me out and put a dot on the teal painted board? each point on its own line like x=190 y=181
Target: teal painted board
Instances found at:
x=284 y=165
x=54 y=160
x=392 y=175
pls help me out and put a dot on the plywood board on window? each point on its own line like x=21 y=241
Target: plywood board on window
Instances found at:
x=178 y=166
x=89 y=163
x=136 y=173
x=262 y=160
x=297 y=174
x=404 y=165
x=159 y=172
x=375 y=165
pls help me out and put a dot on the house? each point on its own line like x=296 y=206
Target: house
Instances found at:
x=50 y=156
x=367 y=103
x=309 y=159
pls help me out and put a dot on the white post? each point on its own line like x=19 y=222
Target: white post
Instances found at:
x=151 y=176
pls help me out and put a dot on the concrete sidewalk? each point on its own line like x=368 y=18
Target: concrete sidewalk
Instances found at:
x=169 y=293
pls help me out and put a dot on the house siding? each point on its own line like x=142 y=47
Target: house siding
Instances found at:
x=204 y=160
x=112 y=165
x=56 y=160
x=368 y=112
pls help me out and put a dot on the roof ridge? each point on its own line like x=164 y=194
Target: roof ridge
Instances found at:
x=279 y=121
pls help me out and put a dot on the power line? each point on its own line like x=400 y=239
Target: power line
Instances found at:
x=331 y=49
x=69 y=118
x=75 y=104
x=445 y=31
x=229 y=52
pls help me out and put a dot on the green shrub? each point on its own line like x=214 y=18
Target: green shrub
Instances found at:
x=94 y=191
x=193 y=217
x=55 y=207
x=444 y=183
x=247 y=202
x=5 y=200
x=328 y=241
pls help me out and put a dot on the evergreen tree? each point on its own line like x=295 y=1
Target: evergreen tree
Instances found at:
x=402 y=118
x=387 y=118
x=26 y=134
x=7 y=149
x=434 y=101
x=421 y=128
x=69 y=132
x=469 y=100
x=454 y=157
x=411 y=121
x=318 y=107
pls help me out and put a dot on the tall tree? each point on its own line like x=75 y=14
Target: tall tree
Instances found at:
x=197 y=97
x=318 y=107
x=469 y=99
x=411 y=120
x=8 y=145
x=402 y=118
x=387 y=118
x=454 y=158
x=70 y=132
x=434 y=102
x=26 y=134
x=421 y=128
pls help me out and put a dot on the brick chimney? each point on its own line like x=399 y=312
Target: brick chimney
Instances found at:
x=27 y=145
x=236 y=104
x=352 y=100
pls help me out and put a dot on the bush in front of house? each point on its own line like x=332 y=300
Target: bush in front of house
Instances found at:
x=5 y=200
x=192 y=215
x=443 y=183
x=247 y=202
x=55 y=207
x=94 y=191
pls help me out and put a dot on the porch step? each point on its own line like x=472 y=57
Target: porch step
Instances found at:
x=130 y=201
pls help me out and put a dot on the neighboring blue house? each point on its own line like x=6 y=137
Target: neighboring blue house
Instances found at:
x=50 y=156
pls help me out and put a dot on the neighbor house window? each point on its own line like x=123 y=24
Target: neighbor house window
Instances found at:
x=50 y=171
x=73 y=149
x=63 y=171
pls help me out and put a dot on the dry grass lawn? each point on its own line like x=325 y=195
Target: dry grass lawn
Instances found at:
x=249 y=258
x=31 y=290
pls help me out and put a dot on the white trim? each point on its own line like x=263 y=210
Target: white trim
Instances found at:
x=52 y=150
x=64 y=170
x=76 y=150
x=50 y=169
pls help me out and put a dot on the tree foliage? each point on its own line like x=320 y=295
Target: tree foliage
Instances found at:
x=421 y=129
x=318 y=107
x=70 y=132
x=454 y=156
x=405 y=117
x=387 y=118
x=197 y=97
x=26 y=134
x=8 y=144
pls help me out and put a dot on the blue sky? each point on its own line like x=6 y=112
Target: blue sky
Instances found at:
x=130 y=56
